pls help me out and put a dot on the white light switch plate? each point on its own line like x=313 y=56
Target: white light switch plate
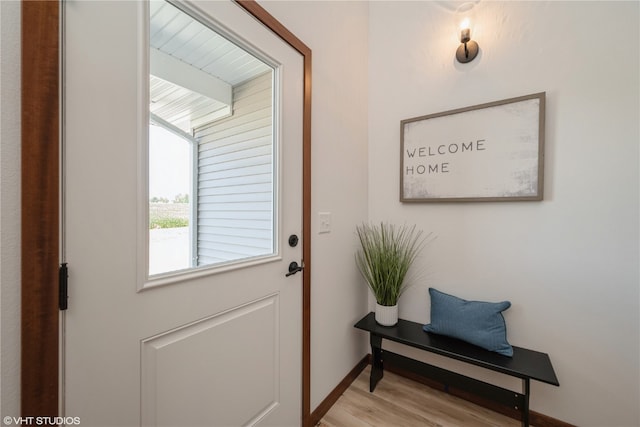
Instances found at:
x=324 y=220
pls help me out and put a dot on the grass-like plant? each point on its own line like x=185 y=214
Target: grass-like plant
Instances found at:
x=168 y=222
x=385 y=255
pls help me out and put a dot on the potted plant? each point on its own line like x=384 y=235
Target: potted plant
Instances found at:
x=385 y=255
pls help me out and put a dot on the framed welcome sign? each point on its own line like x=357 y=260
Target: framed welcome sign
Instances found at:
x=488 y=152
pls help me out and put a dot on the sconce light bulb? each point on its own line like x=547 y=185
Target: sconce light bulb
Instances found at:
x=465 y=35
x=465 y=31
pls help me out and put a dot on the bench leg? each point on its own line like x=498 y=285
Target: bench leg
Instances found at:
x=525 y=410
x=376 y=362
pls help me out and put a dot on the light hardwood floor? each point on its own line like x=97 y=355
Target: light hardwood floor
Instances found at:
x=400 y=402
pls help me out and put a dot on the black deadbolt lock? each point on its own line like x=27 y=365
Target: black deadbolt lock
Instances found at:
x=293 y=240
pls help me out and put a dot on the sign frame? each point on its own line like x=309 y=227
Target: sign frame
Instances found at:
x=483 y=153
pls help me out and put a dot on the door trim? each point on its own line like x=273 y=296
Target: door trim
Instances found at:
x=40 y=174
x=40 y=205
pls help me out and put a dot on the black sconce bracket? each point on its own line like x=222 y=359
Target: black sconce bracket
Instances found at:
x=466 y=52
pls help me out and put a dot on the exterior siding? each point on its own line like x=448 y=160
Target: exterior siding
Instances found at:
x=235 y=178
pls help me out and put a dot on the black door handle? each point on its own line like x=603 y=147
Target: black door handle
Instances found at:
x=293 y=269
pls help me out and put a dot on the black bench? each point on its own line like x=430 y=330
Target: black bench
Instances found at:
x=525 y=364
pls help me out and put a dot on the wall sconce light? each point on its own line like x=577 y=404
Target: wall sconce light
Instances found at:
x=468 y=49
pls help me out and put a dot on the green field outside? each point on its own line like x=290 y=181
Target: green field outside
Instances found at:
x=169 y=215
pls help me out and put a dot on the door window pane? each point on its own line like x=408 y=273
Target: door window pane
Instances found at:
x=215 y=100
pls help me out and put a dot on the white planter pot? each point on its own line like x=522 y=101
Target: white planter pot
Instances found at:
x=386 y=315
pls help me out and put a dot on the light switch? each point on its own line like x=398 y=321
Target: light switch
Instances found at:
x=324 y=219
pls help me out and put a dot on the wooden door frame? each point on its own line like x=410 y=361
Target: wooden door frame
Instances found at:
x=40 y=174
x=40 y=205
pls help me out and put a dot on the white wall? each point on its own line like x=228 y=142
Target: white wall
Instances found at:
x=336 y=32
x=568 y=264
x=10 y=208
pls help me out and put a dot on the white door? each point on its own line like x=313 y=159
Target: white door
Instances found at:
x=200 y=344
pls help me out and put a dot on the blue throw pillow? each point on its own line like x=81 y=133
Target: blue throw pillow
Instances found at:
x=476 y=322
